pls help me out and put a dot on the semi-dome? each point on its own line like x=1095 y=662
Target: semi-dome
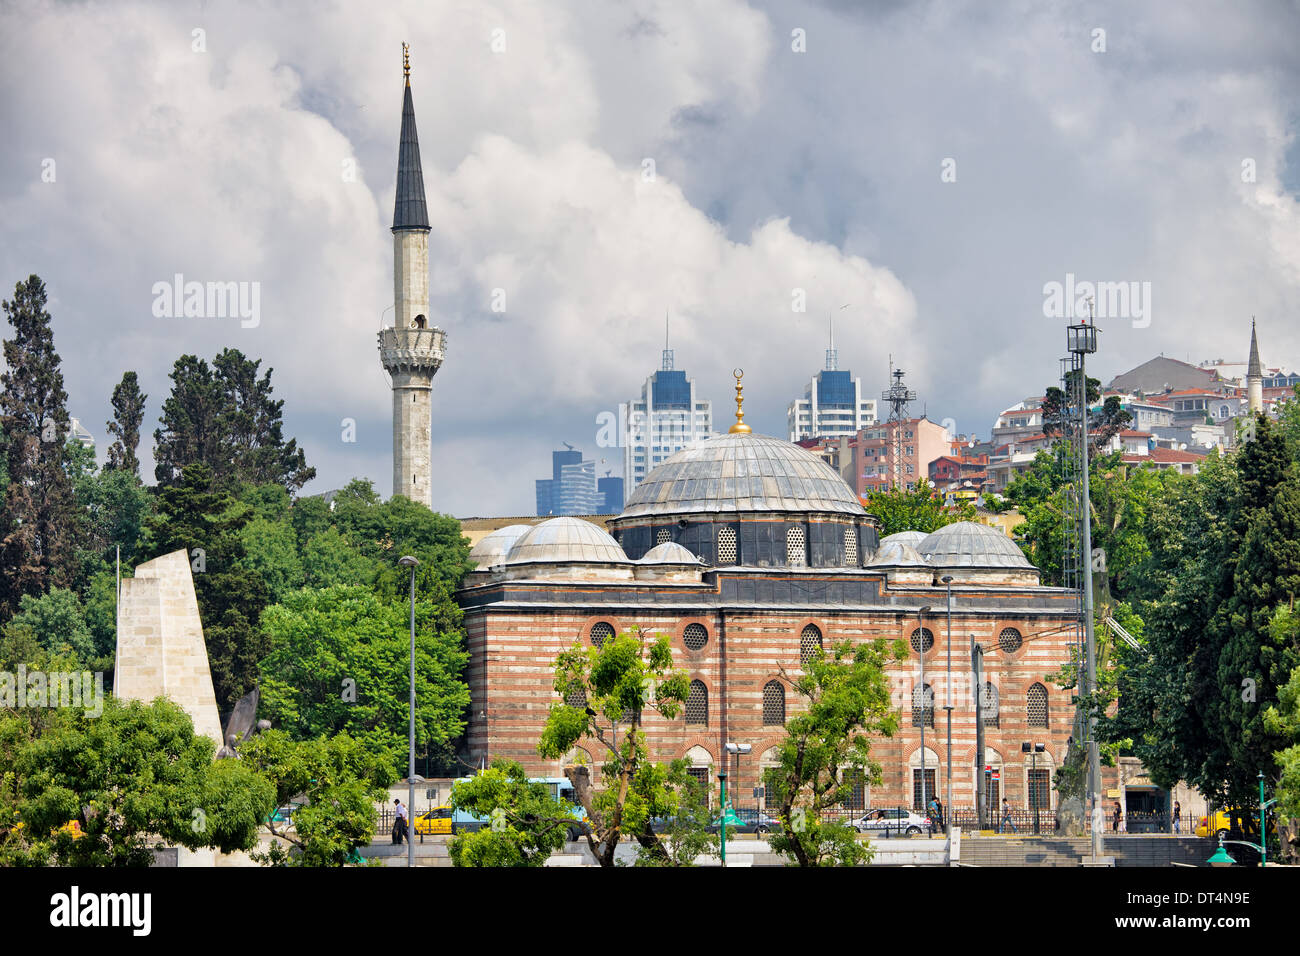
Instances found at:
x=670 y=552
x=913 y=538
x=742 y=473
x=566 y=540
x=966 y=544
x=493 y=548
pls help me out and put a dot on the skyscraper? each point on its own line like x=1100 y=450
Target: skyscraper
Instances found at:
x=832 y=405
x=411 y=350
x=667 y=417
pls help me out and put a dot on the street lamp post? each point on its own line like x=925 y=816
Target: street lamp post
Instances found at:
x=1033 y=750
x=921 y=648
x=722 y=775
x=947 y=580
x=410 y=562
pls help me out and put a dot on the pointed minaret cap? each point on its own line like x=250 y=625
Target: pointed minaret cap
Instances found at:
x=409 y=209
x=740 y=428
x=1255 y=369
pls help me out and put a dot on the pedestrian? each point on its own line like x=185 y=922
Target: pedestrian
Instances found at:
x=1006 y=816
x=399 y=824
x=1178 y=812
x=1116 y=817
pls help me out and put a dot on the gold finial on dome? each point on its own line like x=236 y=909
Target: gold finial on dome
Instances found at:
x=740 y=428
x=406 y=63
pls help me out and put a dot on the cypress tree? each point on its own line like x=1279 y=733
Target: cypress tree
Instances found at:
x=128 y=414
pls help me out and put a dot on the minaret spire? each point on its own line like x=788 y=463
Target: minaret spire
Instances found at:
x=409 y=209
x=1254 y=374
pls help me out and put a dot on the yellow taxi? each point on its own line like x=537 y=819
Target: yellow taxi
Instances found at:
x=1219 y=822
x=433 y=821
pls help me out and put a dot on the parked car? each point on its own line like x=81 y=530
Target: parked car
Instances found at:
x=1221 y=823
x=747 y=821
x=890 y=820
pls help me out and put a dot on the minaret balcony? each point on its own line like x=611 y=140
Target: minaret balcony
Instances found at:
x=411 y=348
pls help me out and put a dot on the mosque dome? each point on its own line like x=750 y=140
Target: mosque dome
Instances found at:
x=912 y=538
x=895 y=553
x=742 y=472
x=966 y=544
x=566 y=539
x=492 y=549
x=670 y=552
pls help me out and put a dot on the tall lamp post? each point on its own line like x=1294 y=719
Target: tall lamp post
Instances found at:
x=1033 y=750
x=410 y=562
x=947 y=580
x=921 y=649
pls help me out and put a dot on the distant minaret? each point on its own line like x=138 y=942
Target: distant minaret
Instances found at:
x=411 y=351
x=1254 y=375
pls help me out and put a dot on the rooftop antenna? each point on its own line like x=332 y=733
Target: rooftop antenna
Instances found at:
x=668 y=353
x=567 y=445
x=898 y=395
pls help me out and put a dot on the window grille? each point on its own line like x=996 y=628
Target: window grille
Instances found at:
x=726 y=546
x=601 y=631
x=1036 y=705
x=810 y=643
x=701 y=774
x=851 y=546
x=577 y=696
x=921 y=800
x=922 y=640
x=923 y=706
x=795 y=549
x=856 y=798
x=989 y=705
x=695 y=636
x=773 y=703
x=1009 y=640
x=1040 y=785
x=663 y=537
x=697 y=703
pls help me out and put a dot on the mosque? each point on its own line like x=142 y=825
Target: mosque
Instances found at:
x=752 y=554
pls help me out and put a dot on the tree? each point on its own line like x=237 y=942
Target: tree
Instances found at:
x=826 y=752
x=384 y=531
x=57 y=622
x=335 y=781
x=205 y=523
x=38 y=518
x=601 y=690
x=1103 y=423
x=128 y=414
x=133 y=779
x=113 y=506
x=526 y=824
x=339 y=659
x=1283 y=720
x=223 y=416
x=918 y=510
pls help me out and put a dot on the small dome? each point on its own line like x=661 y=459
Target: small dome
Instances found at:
x=493 y=548
x=894 y=553
x=914 y=538
x=670 y=552
x=566 y=539
x=742 y=473
x=966 y=544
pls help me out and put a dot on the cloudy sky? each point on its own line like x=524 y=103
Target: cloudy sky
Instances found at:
x=929 y=167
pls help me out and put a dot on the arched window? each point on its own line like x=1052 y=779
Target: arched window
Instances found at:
x=989 y=706
x=810 y=643
x=695 y=636
x=851 y=546
x=795 y=549
x=726 y=546
x=922 y=640
x=1009 y=640
x=601 y=631
x=773 y=703
x=1036 y=706
x=923 y=706
x=576 y=696
x=697 y=703
x=419 y=322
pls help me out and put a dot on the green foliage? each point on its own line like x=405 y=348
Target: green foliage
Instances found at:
x=195 y=514
x=526 y=824
x=271 y=553
x=918 y=510
x=604 y=691
x=826 y=752
x=128 y=415
x=328 y=559
x=339 y=660
x=337 y=780
x=134 y=778
x=1283 y=719
x=38 y=515
x=58 y=622
x=385 y=531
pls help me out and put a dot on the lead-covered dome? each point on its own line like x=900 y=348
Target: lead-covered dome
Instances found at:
x=566 y=539
x=670 y=552
x=492 y=549
x=742 y=473
x=966 y=544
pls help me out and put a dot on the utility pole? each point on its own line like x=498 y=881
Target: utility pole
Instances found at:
x=981 y=791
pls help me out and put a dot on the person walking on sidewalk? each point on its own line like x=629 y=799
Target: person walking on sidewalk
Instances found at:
x=1006 y=817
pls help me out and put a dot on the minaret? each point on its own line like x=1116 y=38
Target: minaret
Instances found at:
x=1254 y=375
x=411 y=351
